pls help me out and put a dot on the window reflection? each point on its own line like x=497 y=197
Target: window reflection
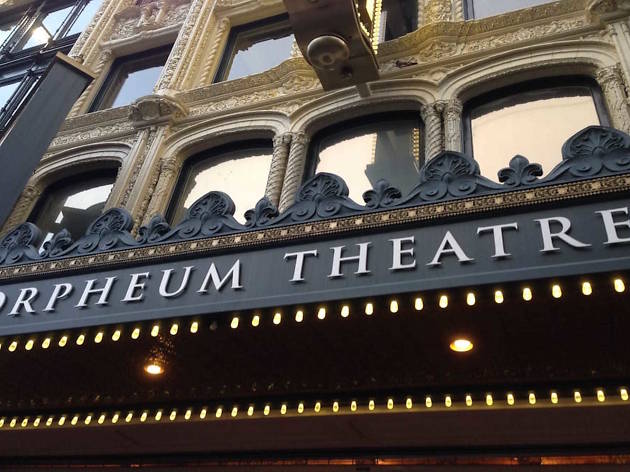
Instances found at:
x=5 y=31
x=398 y=17
x=363 y=153
x=534 y=124
x=6 y=90
x=73 y=204
x=241 y=173
x=485 y=8
x=84 y=18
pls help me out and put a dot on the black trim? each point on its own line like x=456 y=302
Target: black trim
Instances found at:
x=529 y=90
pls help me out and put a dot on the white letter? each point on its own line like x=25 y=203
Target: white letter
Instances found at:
x=398 y=252
x=234 y=273
x=548 y=236
x=611 y=225
x=166 y=277
x=453 y=248
x=89 y=290
x=58 y=294
x=133 y=286
x=3 y=298
x=24 y=300
x=497 y=234
x=299 y=263
x=337 y=260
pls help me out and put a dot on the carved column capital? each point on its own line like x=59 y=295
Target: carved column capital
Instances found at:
x=605 y=75
x=611 y=81
x=453 y=125
x=283 y=139
x=437 y=11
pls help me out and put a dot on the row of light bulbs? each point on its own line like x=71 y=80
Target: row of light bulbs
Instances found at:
x=251 y=410
x=369 y=309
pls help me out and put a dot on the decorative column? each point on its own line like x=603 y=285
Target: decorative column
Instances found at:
x=453 y=125
x=620 y=34
x=169 y=168
x=23 y=207
x=432 y=130
x=295 y=170
x=219 y=39
x=105 y=59
x=281 y=145
x=458 y=10
x=611 y=82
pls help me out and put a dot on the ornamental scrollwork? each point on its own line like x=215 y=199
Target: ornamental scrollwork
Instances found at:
x=596 y=151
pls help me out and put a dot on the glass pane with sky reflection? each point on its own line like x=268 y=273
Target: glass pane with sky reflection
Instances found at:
x=484 y=8
x=260 y=56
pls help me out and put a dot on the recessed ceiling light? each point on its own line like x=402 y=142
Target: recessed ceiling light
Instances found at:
x=461 y=345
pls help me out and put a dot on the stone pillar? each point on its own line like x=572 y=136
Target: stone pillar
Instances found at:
x=453 y=125
x=458 y=10
x=169 y=168
x=281 y=145
x=620 y=34
x=219 y=39
x=23 y=207
x=432 y=118
x=295 y=170
x=104 y=61
x=611 y=82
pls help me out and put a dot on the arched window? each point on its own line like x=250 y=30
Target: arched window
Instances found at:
x=363 y=151
x=73 y=203
x=240 y=170
x=533 y=119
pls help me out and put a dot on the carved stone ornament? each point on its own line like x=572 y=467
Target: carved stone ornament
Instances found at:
x=152 y=109
x=595 y=151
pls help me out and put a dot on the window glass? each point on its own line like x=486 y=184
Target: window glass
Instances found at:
x=253 y=55
x=242 y=174
x=484 y=8
x=534 y=124
x=398 y=17
x=136 y=84
x=5 y=31
x=85 y=17
x=73 y=205
x=6 y=90
x=42 y=31
x=365 y=153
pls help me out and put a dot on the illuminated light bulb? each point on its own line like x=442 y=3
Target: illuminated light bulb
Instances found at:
x=135 y=334
x=174 y=329
x=129 y=417
x=80 y=340
x=283 y=409
x=188 y=414
x=443 y=302
x=409 y=403
x=393 y=306
x=36 y=421
x=448 y=401
x=600 y=395
x=277 y=318
x=219 y=412
x=335 y=407
x=489 y=400
x=510 y=399
x=300 y=408
x=577 y=396
x=353 y=405
x=98 y=337
x=101 y=419
x=155 y=330
x=554 y=397
x=173 y=415
x=371 y=405
x=299 y=316
x=461 y=345
x=532 y=398
x=418 y=304
x=1 y=422
x=29 y=344
x=88 y=419
x=234 y=323
x=49 y=421
x=527 y=294
x=158 y=415
x=619 y=285
x=587 y=289
x=498 y=296
x=369 y=309
x=428 y=402
x=63 y=341
x=250 y=410
x=390 y=403
x=46 y=343
x=203 y=413
x=13 y=346
x=143 y=416
x=318 y=407
x=62 y=420
x=256 y=320
x=194 y=327
x=153 y=368
x=321 y=313
x=115 y=418
x=624 y=394
x=469 y=401
x=13 y=423
x=116 y=335
x=470 y=299
x=345 y=311
x=556 y=291
x=74 y=420
x=266 y=410
x=24 y=423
